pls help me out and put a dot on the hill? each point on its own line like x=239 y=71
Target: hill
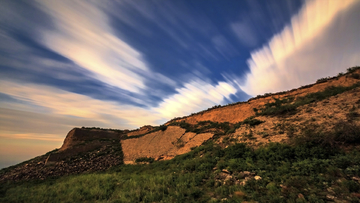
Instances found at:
x=300 y=145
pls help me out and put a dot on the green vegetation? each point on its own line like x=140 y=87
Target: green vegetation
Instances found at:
x=289 y=106
x=219 y=129
x=353 y=69
x=156 y=128
x=252 y=121
x=103 y=129
x=205 y=126
x=145 y=159
x=322 y=80
x=312 y=168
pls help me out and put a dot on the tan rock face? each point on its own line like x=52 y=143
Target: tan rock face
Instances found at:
x=162 y=144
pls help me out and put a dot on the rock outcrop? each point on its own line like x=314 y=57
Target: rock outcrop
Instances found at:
x=82 y=140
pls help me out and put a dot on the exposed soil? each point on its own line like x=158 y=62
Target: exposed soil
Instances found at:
x=162 y=144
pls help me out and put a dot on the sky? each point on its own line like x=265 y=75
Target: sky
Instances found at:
x=124 y=64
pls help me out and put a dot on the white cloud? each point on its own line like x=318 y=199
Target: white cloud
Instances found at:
x=83 y=34
x=61 y=103
x=316 y=44
x=58 y=110
x=193 y=97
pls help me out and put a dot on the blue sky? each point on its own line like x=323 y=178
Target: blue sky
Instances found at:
x=124 y=64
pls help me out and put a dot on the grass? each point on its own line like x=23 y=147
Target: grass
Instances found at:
x=306 y=166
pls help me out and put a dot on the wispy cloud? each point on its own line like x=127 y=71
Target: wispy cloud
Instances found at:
x=193 y=97
x=306 y=49
x=244 y=33
x=60 y=102
x=83 y=34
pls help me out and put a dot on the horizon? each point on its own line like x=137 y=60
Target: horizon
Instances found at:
x=122 y=65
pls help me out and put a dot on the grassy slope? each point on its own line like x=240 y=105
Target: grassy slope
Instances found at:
x=309 y=169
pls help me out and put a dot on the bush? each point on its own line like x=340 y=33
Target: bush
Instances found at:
x=347 y=133
x=238 y=150
x=251 y=121
x=162 y=127
x=353 y=69
x=355 y=76
x=321 y=80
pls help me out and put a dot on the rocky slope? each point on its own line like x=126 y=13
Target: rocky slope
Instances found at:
x=237 y=112
x=268 y=118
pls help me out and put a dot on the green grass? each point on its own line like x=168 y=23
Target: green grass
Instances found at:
x=307 y=167
x=145 y=159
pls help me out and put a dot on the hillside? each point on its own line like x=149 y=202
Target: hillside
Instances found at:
x=300 y=145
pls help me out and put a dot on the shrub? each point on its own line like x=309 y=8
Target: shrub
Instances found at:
x=236 y=151
x=321 y=80
x=251 y=121
x=355 y=76
x=162 y=127
x=347 y=133
x=232 y=130
x=353 y=69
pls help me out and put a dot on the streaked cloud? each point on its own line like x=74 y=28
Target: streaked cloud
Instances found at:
x=193 y=97
x=244 y=33
x=59 y=102
x=83 y=34
x=306 y=49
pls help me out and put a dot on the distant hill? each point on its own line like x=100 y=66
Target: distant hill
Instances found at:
x=300 y=145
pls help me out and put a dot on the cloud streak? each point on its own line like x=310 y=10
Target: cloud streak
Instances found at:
x=304 y=50
x=193 y=97
x=59 y=102
x=83 y=34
